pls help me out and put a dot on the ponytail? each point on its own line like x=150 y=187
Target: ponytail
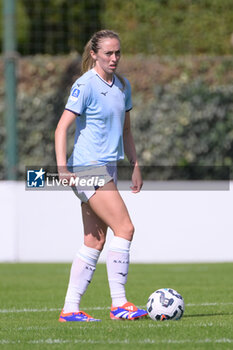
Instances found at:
x=87 y=60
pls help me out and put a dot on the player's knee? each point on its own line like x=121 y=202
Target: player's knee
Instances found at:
x=130 y=232
x=127 y=231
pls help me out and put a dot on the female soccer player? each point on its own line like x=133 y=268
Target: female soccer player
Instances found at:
x=100 y=104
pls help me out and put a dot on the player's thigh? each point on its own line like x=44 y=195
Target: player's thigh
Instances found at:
x=95 y=229
x=108 y=204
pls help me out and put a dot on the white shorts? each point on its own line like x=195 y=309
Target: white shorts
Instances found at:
x=90 y=178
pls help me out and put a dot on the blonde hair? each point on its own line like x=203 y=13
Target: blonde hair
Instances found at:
x=93 y=44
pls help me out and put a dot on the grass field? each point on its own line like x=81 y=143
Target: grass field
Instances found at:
x=31 y=297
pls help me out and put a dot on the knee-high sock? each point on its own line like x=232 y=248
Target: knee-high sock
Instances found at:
x=81 y=274
x=117 y=268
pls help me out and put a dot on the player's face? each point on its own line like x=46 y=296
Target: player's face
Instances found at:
x=107 y=57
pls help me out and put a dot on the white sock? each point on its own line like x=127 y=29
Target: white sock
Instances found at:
x=81 y=274
x=117 y=267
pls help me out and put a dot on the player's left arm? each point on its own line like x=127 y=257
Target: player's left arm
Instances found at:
x=130 y=151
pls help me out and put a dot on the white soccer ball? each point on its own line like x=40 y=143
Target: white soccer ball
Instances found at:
x=165 y=304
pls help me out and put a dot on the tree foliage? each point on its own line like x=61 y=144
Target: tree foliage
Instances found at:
x=171 y=27
x=55 y=26
x=162 y=27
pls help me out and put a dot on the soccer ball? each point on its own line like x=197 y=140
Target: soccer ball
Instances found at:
x=165 y=304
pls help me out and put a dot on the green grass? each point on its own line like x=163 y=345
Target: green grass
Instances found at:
x=31 y=289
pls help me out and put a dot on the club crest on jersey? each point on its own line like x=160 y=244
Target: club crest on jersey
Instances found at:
x=75 y=94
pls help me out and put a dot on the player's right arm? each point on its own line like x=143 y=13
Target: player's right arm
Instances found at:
x=65 y=121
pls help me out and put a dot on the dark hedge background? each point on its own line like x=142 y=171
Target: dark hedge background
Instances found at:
x=182 y=115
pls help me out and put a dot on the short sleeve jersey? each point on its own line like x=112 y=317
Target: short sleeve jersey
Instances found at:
x=100 y=109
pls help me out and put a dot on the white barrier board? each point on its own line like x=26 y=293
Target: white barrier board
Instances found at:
x=170 y=225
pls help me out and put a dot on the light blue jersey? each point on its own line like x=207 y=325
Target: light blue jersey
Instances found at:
x=101 y=111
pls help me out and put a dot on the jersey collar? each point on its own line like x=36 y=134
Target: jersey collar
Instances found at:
x=109 y=84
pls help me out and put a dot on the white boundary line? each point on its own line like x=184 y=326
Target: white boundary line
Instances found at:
x=125 y=341
x=5 y=311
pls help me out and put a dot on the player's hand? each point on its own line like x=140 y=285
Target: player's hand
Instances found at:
x=65 y=174
x=136 y=180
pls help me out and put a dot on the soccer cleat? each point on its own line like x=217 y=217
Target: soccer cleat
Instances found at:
x=80 y=316
x=128 y=311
